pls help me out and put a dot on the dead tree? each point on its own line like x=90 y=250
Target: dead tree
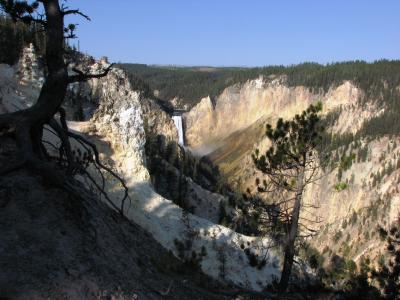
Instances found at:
x=290 y=164
x=26 y=126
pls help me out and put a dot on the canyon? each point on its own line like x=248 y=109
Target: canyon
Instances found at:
x=120 y=127
x=184 y=170
x=230 y=128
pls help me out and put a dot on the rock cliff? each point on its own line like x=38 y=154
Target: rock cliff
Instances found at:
x=119 y=130
x=20 y=84
x=352 y=202
x=241 y=105
x=120 y=126
x=29 y=70
x=138 y=139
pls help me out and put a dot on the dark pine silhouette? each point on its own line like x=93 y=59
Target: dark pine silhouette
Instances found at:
x=291 y=163
x=26 y=126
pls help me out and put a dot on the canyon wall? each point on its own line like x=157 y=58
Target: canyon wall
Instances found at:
x=120 y=126
x=20 y=84
x=351 y=204
x=241 y=105
x=128 y=128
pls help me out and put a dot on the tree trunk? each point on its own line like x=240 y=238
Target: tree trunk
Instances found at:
x=26 y=126
x=292 y=234
x=28 y=123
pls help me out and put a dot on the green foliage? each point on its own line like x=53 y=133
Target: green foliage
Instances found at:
x=139 y=84
x=15 y=36
x=341 y=186
x=224 y=218
x=339 y=174
x=358 y=287
x=382 y=233
x=365 y=264
x=254 y=260
x=338 y=235
x=387 y=122
x=312 y=256
x=372 y=210
x=313 y=262
x=362 y=154
x=337 y=267
x=378 y=79
x=346 y=250
x=353 y=219
x=388 y=169
x=190 y=257
x=376 y=178
x=189 y=84
x=388 y=273
x=333 y=142
x=346 y=161
x=340 y=269
x=351 y=266
x=344 y=224
x=170 y=167
x=290 y=164
x=293 y=143
x=381 y=260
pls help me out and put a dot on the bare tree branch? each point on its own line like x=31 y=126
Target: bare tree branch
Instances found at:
x=75 y=12
x=85 y=76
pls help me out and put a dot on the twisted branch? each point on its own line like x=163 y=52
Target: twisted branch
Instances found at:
x=86 y=76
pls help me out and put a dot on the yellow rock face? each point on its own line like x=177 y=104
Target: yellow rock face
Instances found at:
x=229 y=128
x=240 y=106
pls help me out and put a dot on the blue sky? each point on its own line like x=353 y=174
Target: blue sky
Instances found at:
x=239 y=33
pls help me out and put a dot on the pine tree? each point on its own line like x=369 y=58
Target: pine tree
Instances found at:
x=388 y=274
x=290 y=164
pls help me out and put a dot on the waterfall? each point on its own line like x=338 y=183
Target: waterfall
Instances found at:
x=178 y=124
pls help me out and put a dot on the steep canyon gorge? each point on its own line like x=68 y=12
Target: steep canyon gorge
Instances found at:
x=230 y=128
x=186 y=172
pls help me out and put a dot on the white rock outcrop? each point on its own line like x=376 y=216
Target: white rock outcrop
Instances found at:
x=119 y=123
x=29 y=71
x=117 y=127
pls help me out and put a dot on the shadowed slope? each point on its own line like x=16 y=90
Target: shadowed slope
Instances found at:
x=53 y=245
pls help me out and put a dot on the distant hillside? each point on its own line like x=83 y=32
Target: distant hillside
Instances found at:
x=378 y=79
x=187 y=83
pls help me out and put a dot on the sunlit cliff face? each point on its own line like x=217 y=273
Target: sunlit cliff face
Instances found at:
x=239 y=106
x=223 y=132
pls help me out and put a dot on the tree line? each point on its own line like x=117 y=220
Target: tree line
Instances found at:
x=378 y=79
x=14 y=36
